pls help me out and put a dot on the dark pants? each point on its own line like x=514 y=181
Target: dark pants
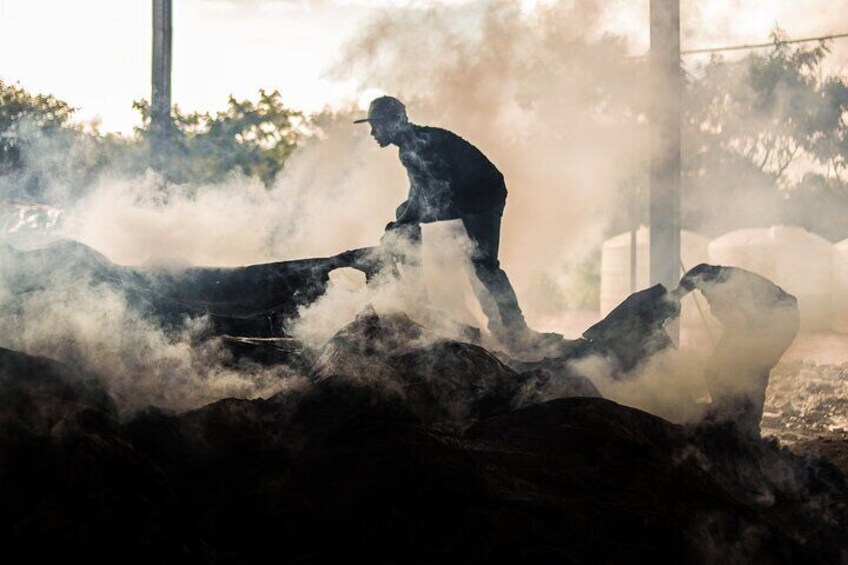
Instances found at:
x=492 y=287
x=494 y=291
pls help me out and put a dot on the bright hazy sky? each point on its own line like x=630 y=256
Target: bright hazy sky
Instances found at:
x=95 y=54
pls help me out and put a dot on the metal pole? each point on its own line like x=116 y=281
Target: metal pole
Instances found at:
x=665 y=159
x=160 y=103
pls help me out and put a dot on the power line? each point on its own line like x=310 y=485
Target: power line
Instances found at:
x=761 y=45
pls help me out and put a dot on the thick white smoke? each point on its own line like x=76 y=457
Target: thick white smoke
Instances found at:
x=439 y=295
x=549 y=98
x=335 y=194
x=541 y=98
x=92 y=325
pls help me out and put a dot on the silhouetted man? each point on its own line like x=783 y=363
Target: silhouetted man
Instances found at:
x=451 y=179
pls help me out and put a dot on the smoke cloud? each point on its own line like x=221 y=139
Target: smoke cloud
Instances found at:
x=326 y=201
x=438 y=296
x=333 y=196
x=92 y=325
x=669 y=384
x=552 y=99
x=539 y=98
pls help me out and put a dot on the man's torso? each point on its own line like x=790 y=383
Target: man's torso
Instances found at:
x=450 y=176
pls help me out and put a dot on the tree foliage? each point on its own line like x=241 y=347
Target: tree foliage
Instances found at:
x=40 y=145
x=761 y=132
x=21 y=111
x=254 y=138
x=41 y=148
x=773 y=109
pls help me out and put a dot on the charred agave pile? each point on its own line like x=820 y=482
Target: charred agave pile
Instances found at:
x=400 y=446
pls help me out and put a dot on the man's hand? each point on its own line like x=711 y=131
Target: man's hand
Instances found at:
x=400 y=224
x=399 y=230
x=391 y=227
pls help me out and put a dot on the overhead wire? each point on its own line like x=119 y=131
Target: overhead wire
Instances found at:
x=762 y=45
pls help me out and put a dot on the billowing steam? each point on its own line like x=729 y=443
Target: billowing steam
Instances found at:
x=91 y=325
x=439 y=296
x=549 y=99
x=539 y=99
x=334 y=195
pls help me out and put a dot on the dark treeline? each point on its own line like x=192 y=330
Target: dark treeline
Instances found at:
x=40 y=143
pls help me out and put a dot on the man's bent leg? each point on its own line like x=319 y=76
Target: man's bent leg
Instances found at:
x=499 y=303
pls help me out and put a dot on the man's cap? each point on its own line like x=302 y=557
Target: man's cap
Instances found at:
x=384 y=108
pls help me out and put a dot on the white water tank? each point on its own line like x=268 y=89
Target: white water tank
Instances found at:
x=840 y=287
x=618 y=281
x=798 y=261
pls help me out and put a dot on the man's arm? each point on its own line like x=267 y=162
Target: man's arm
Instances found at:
x=405 y=214
x=409 y=212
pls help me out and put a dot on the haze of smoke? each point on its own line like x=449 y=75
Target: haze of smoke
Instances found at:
x=327 y=201
x=548 y=99
x=439 y=296
x=730 y=22
x=735 y=22
x=136 y=220
x=752 y=329
x=670 y=385
x=322 y=205
x=557 y=105
x=537 y=98
x=336 y=194
x=539 y=94
x=92 y=326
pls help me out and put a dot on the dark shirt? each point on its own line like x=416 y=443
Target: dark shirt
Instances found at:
x=448 y=177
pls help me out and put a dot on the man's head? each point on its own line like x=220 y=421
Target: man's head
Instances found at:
x=387 y=117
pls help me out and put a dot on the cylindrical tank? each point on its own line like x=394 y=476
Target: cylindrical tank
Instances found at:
x=840 y=287
x=626 y=269
x=793 y=258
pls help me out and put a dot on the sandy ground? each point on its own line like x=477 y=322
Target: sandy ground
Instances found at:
x=823 y=348
x=808 y=391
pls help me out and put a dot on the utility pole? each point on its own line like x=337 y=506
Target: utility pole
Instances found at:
x=667 y=82
x=160 y=102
